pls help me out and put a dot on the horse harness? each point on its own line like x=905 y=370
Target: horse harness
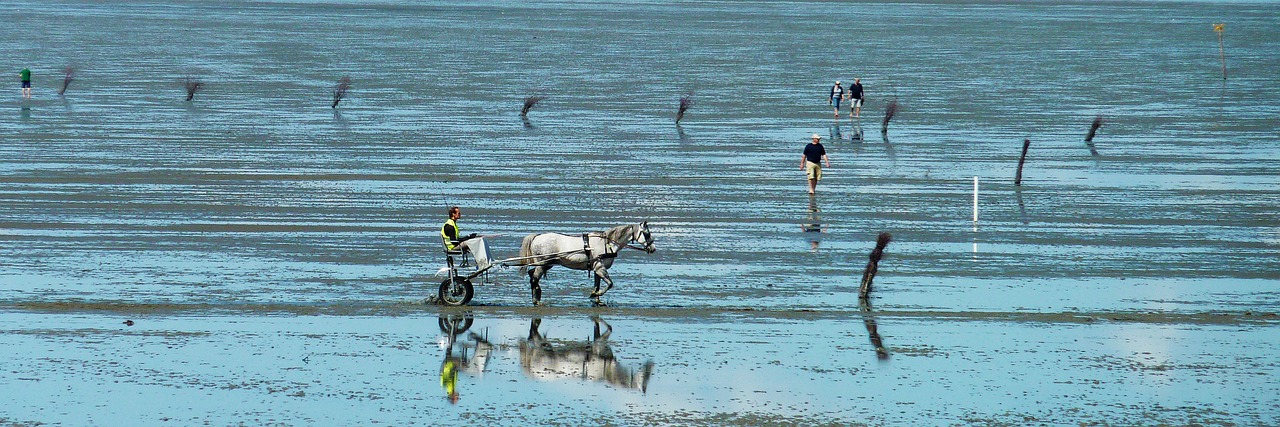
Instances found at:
x=586 y=247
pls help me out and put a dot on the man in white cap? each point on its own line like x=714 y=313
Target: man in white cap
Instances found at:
x=814 y=153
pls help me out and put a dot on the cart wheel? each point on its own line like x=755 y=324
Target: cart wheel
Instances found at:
x=456 y=323
x=455 y=292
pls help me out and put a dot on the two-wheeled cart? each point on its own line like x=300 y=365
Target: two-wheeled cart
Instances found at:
x=457 y=287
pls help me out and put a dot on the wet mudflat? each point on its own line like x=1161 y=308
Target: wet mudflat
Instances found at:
x=678 y=368
x=276 y=253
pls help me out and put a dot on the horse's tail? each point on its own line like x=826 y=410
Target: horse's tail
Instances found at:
x=526 y=251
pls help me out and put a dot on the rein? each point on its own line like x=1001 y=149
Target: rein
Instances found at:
x=619 y=244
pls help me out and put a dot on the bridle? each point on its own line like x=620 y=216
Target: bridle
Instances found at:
x=648 y=239
x=644 y=232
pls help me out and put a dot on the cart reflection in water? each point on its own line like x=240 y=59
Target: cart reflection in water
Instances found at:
x=453 y=325
x=592 y=360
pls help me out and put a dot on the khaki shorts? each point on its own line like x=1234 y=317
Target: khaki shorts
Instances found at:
x=813 y=170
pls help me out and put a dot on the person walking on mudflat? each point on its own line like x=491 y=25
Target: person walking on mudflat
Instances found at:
x=26 y=82
x=814 y=152
x=837 y=93
x=855 y=98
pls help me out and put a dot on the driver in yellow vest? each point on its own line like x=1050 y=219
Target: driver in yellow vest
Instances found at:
x=449 y=231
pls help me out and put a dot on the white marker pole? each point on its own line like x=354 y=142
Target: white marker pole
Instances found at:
x=975 y=200
x=975 y=217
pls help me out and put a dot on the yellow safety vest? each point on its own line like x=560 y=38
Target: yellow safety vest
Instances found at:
x=449 y=243
x=449 y=377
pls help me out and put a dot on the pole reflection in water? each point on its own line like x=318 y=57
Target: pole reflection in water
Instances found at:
x=888 y=148
x=869 y=320
x=813 y=224
x=453 y=325
x=1022 y=207
x=592 y=360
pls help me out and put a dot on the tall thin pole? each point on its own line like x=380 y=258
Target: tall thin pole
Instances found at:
x=975 y=201
x=1222 y=53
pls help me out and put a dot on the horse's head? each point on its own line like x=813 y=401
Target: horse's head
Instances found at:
x=644 y=237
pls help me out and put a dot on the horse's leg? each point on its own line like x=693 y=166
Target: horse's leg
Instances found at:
x=595 y=296
x=596 y=293
x=535 y=276
x=601 y=274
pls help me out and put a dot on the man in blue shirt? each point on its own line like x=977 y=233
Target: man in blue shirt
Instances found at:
x=814 y=153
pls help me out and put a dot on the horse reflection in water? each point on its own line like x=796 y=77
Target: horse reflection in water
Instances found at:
x=452 y=326
x=592 y=360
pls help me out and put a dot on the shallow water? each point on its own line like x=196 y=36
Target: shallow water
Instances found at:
x=651 y=368
x=258 y=199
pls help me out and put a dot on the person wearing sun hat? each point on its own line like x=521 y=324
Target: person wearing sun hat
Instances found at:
x=814 y=153
x=837 y=93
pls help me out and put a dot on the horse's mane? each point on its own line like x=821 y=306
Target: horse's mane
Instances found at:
x=621 y=234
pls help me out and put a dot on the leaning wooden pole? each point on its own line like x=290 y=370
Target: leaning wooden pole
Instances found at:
x=685 y=102
x=1017 y=179
x=68 y=74
x=874 y=264
x=529 y=102
x=1093 y=130
x=889 y=111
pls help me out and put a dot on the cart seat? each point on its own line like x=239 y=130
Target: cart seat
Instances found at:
x=450 y=253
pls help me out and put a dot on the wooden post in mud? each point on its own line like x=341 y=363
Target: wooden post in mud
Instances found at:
x=685 y=102
x=1093 y=130
x=192 y=85
x=873 y=265
x=889 y=112
x=1017 y=179
x=68 y=74
x=529 y=103
x=340 y=90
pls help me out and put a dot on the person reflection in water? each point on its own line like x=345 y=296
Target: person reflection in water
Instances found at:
x=449 y=379
x=814 y=224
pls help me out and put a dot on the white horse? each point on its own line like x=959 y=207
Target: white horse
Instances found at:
x=589 y=251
